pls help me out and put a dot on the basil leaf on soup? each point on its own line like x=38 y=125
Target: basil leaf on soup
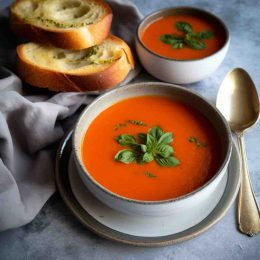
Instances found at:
x=205 y=35
x=164 y=150
x=165 y=138
x=156 y=131
x=184 y=27
x=125 y=139
x=126 y=156
x=195 y=44
x=150 y=142
x=171 y=39
x=147 y=157
x=167 y=162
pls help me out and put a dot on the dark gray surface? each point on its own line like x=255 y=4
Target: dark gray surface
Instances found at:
x=56 y=234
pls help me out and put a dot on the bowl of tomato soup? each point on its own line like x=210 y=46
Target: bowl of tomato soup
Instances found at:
x=153 y=149
x=181 y=44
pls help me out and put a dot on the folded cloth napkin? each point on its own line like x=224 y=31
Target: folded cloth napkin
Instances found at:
x=31 y=125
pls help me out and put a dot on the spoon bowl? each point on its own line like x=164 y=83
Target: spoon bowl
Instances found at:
x=239 y=103
x=238 y=100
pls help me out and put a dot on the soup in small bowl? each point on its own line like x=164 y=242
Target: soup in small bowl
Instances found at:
x=181 y=44
x=153 y=149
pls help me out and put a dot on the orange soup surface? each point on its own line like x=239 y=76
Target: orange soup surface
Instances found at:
x=150 y=181
x=167 y=25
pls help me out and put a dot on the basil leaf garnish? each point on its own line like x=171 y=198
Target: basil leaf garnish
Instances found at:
x=147 y=157
x=164 y=150
x=205 y=35
x=184 y=27
x=167 y=162
x=125 y=139
x=150 y=142
x=156 y=131
x=195 y=44
x=126 y=156
x=170 y=39
x=165 y=138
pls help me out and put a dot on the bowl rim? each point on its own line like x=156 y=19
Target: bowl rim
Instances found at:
x=77 y=152
x=199 y=10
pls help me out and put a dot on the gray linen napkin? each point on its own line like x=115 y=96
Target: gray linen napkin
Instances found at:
x=30 y=125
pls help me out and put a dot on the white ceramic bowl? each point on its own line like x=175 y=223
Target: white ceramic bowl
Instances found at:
x=180 y=71
x=199 y=202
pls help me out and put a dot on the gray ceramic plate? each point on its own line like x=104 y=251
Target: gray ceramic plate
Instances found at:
x=64 y=187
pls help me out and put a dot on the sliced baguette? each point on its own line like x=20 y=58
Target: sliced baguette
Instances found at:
x=67 y=24
x=95 y=68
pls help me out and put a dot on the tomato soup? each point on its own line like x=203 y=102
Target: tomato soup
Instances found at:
x=151 y=37
x=149 y=181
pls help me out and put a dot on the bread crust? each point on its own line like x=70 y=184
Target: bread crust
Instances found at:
x=76 y=80
x=69 y=38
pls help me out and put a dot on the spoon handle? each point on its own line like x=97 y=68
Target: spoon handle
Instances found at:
x=248 y=211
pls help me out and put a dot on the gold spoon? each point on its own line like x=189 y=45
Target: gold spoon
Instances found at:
x=238 y=102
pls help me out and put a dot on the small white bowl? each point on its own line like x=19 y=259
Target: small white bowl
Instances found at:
x=199 y=202
x=180 y=71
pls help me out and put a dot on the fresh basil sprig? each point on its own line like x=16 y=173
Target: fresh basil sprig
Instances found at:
x=155 y=145
x=189 y=39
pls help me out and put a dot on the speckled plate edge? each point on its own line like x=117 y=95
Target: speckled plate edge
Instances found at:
x=63 y=186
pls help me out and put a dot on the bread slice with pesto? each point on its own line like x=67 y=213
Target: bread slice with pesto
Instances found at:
x=67 y=24
x=95 y=68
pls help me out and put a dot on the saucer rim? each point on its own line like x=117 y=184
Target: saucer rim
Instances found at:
x=64 y=188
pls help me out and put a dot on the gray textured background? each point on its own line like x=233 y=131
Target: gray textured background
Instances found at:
x=56 y=234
